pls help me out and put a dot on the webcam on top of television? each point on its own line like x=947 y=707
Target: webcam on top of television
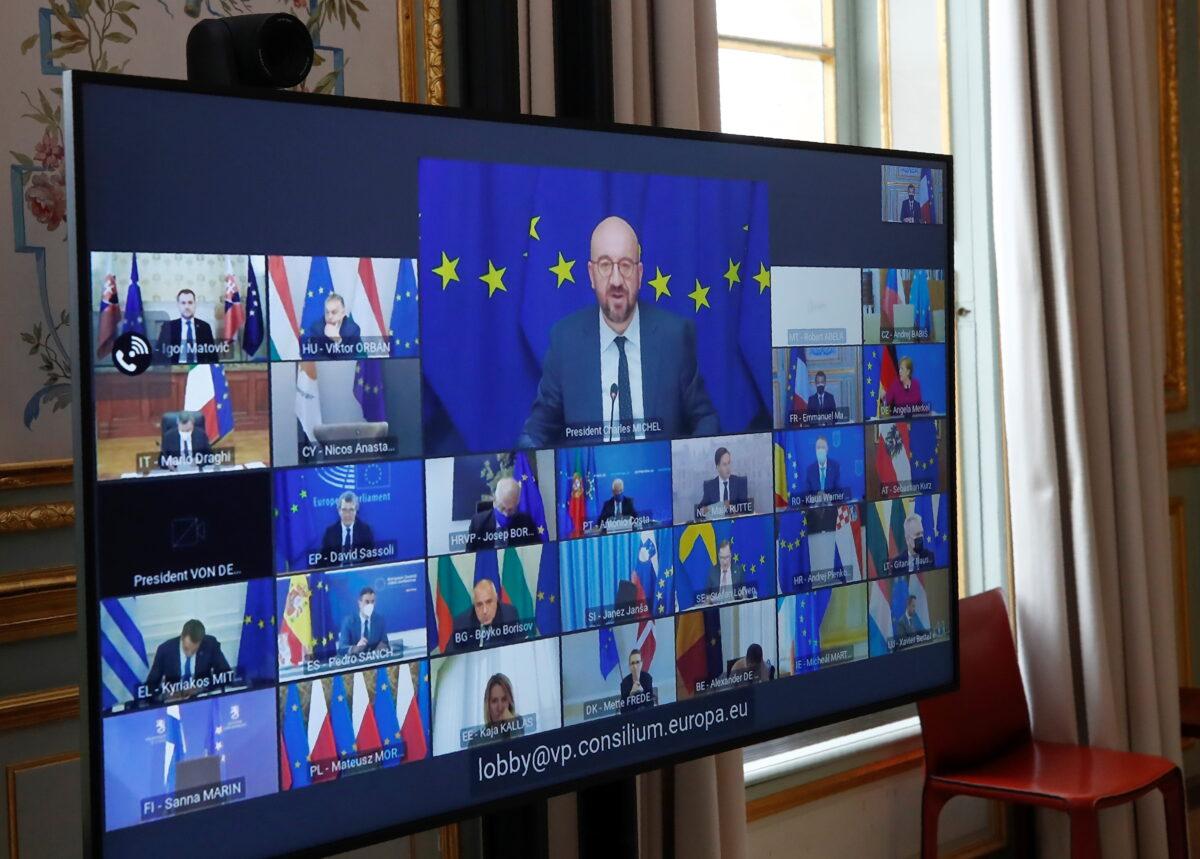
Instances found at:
x=273 y=49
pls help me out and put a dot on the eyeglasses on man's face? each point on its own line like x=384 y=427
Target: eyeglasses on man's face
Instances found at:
x=625 y=266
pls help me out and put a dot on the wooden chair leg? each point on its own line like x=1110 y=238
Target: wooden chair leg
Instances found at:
x=1171 y=788
x=932 y=801
x=1085 y=834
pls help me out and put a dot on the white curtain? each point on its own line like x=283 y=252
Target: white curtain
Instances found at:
x=1080 y=276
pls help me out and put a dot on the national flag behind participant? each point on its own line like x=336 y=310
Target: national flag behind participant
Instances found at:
x=256 y=651
x=308 y=400
x=110 y=317
x=609 y=659
x=207 y=392
x=530 y=501
x=235 y=311
x=252 y=334
x=799 y=384
x=321 y=748
x=366 y=730
x=386 y=721
x=925 y=197
x=285 y=338
x=369 y=390
x=339 y=715
x=134 y=321
x=410 y=710
x=548 y=619
x=294 y=750
x=405 y=342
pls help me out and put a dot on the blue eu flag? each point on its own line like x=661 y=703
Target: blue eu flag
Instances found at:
x=252 y=334
x=504 y=255
x=256 y=651
x=134 y=320
x=295 y=737
x=549 y=621
x=608 y=651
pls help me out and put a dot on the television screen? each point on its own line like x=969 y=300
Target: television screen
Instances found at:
x=430 y=462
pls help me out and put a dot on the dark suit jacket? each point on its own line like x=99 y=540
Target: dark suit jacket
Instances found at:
x=673 y=391
x=484 y=522
x=361 y=537
x=903 y=626
x=911 y=209
x=833 y=477
x=351 y=337
x=468 y=622
x=171 y=334
x=209 y=660
x=737 y=574
x=647 y=684
x=924 y=561
x=171 y=443
x=739 y=490
x=816 y=407
x=351 y=632
x=608 y=510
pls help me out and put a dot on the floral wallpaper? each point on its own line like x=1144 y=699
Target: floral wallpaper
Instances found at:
x=356 y=55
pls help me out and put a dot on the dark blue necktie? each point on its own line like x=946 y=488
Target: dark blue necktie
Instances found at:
x=187 y=669
x=624 y=397
x=190 y=354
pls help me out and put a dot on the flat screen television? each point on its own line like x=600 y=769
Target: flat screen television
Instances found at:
x=429 y=462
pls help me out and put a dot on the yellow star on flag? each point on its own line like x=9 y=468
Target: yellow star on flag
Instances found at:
x=659 y=282
x=494 y=279
x=533 y=234
x=700 y=296
x=563 y=270
x=448 y=270
x=763 y=277
x=732 y=273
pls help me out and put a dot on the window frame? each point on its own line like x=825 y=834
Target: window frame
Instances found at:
x=984 y=559
x=827 y=53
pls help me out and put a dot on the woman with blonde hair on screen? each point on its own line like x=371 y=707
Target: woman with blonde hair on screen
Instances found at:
x=499 y=705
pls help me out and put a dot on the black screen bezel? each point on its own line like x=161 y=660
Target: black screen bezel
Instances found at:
x=75 y=83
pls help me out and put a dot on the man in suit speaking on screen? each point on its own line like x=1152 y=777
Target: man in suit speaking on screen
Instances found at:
x=187 y=664
x=610 y=368
x=619 y=507
x=727 y=489
x=365 y=629
x=347 y=533
x=186 y=443
x=488 y=621
x=915 y=557
x=186 y=340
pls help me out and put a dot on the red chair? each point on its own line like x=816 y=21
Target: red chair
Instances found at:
x=978 y=743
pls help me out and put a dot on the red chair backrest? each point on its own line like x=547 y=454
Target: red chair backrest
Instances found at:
x=988 y=714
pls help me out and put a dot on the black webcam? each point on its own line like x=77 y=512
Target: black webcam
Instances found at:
x=267 y=50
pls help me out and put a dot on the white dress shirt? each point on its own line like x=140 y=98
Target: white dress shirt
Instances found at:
x=610 y=357
x=186 y=451
x=183 y=662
